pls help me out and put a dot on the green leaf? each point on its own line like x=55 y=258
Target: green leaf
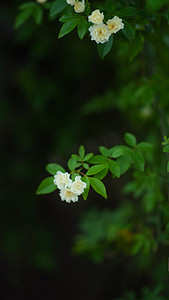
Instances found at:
x=82 y=27
x=27 y=5
x=130 y=139
x=53 y=168
x=76 y=157
x=22 y=18
x=168 y=166
x=114 y=168
x=102 y=173
x=72 y=164
x=67 y=27
x=110 y=6
x=104 y=49
x=88 y=156
x=57 y=7
x=106 y=152
x=67 y=18
x=98 y=186
x=46 y=186
x=166 y=148
x=144 y=146
x=38 y=15
x=126 y=12
x=86 y=191
x=138 y=160
x=128 y=31
x=116 y=151
x=124 y=163
x=97 y=159
x=86 y=166
x=136 y=46
x=95 y=169
x=82 y=152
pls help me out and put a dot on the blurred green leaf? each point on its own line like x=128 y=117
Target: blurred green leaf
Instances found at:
x=130 y=139
x=98 y=186
x=46 y=186
x=114 y=168
x=57 y=7
x=82 y=27
x=95 y=169
x=53 y=168
x=104 y=49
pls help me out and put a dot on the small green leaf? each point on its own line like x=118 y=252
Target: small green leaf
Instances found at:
x=128 y=31
x=46 y=186
x=166 y=148
x=114 y=168
x=144 y=146
x=86 y=166
x=130 y=139
x=76 y=157
x=86 y=191
x=168 y=166
x=102 y=173
x=57 y=7
x=72 y=164
x=82 y=27
x=124 y=163
x=98 y=186
x=82 y=152
x=38 y=15
x=53 y=168
x=67 y=27
x=95 y=169
x=27 y=5
x=106 y=152
x=127 y=12
x=88 y=156
x=136 y=46
x=138 y=160
x=97 y=159
x=104 y=49
x=110 y=6
x=22 y=18
x=116 y=151
x=67 y=18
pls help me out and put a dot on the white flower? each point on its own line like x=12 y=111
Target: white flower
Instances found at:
x=67 y=195
x=100 y=33
x=96 y=17
x=62 y=180
x=115 y=24
x=79 y=6
x=41 y=1
x=78 y=186
x=71 y=2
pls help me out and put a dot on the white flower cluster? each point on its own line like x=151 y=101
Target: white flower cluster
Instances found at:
x=101 y=32
x=69 y=190
x=79 y=6
x=41 y=1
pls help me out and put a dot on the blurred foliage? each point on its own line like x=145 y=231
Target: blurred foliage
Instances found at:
x=58 y=94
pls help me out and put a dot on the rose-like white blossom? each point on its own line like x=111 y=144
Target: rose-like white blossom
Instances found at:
x=62 y=180
x=71 y=2
x=100 y=33
x=96 y=17
x=78 y=186
x=41 y=1
x=115 y=24
x=67 y=195
x=79 y=6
